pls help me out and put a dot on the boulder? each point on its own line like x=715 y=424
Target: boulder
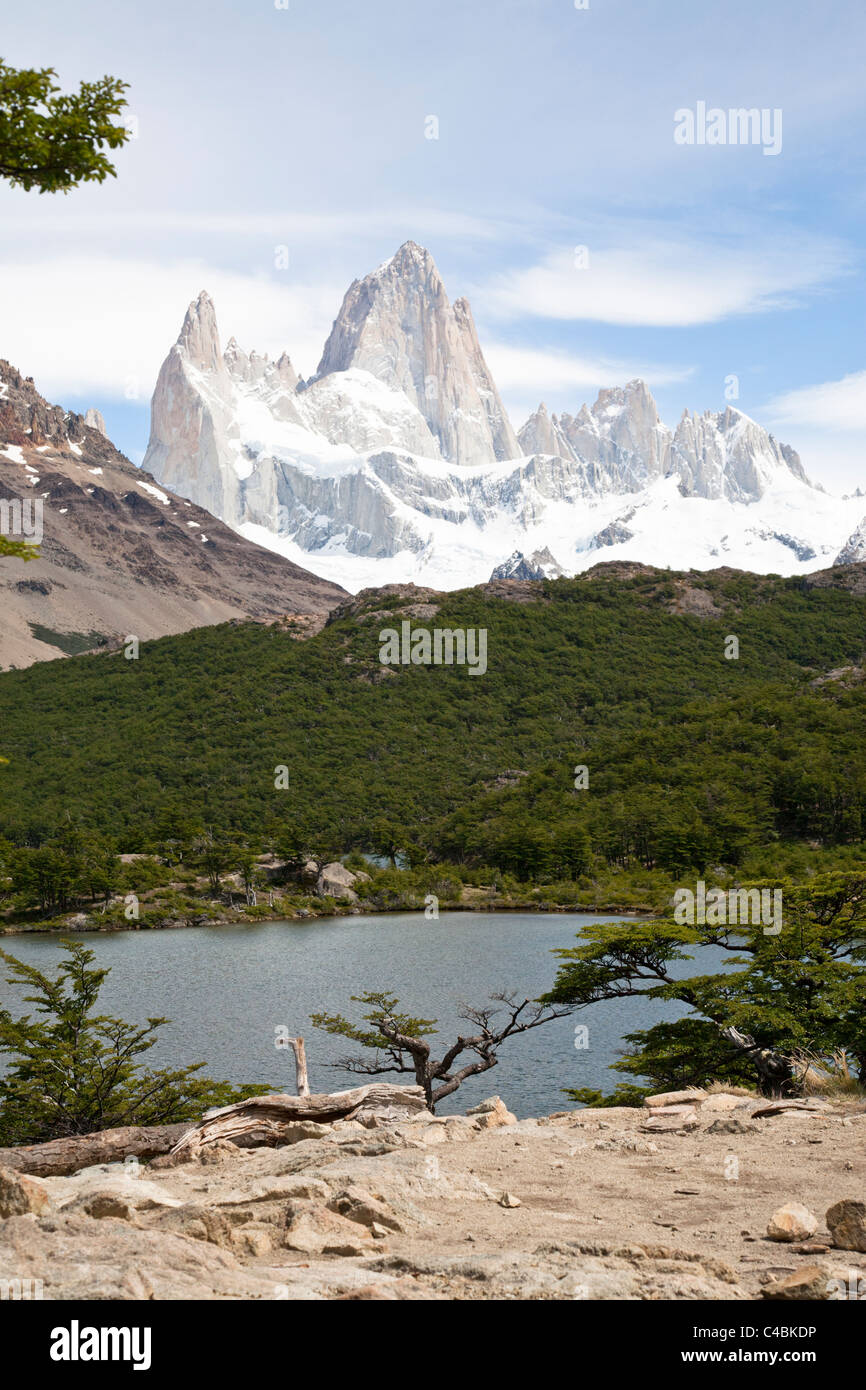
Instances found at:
x=729 y=1125
x=356 y=1204
x=109 y=1191
x=336 y=881
x=281 y=1187
x=103 y=1204
x=256 y=1239
x=812 y=1106
x=722 y=1100
x=491 y=1114
x=811 y=1282
x=20 y=1195
x=675 y=1124
x=197 y=1222
x=79 y=1258
x=434 y=1134
x=220 y=1151
x=791 y=1222
x=315 y=1230
x=666 y=1098
x=846 y=1222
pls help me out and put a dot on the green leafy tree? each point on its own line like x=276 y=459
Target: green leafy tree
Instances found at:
x=398 y=1041
x=803 y=989
x=72 y=866
x=694 y=764
x=214 y=858
x=74 y=1071
x=246 y=864
x=55 y=141
x=387 y=840
x=42 y=876
x=572 y=849
x=290 y=845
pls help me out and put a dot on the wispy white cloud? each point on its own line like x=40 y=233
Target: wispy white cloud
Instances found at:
x=100 y=327
x=666 y=281
x=526 y=376
x=829 y=423
x=832 y=405
x=304 y=228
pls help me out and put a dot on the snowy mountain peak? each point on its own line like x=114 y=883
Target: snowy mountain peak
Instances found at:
x=397 y=460
x=399 y=325
x=634 y=397
x=854 y=548
x=407 y=258
x=540 y=565
x=199 y=336
x=119 y=553
x=628 y=415
x=730 y=455
x=623 y=445
x=542 y=435
x=619 y=445
x=253 y=367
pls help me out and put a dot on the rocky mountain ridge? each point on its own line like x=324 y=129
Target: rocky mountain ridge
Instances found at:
x=396 y=460
x=119 y=555
x=398 y=325
x=624 y=446
x=539 y=565
x=854 y=549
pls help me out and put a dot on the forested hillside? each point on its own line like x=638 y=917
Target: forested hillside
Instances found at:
x=693 y=759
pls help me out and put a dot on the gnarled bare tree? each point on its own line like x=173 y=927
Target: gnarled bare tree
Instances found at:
x=399 y=1041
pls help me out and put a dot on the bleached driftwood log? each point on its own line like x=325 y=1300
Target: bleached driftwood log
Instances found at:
x=300 y=1051
x=58 y=1157
x=266 y=1118
x=269 y=1118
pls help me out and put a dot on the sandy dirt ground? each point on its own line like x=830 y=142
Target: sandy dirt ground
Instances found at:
x=603 y=1204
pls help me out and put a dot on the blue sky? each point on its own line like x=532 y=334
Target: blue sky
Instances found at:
x=307 y=127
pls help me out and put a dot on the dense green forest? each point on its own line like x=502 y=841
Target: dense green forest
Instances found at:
x=693 y=760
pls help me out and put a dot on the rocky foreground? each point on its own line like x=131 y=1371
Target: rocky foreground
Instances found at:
x=674 y=1201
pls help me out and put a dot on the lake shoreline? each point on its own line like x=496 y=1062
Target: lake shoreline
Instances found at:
x=233 y=918
x=226 y=990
